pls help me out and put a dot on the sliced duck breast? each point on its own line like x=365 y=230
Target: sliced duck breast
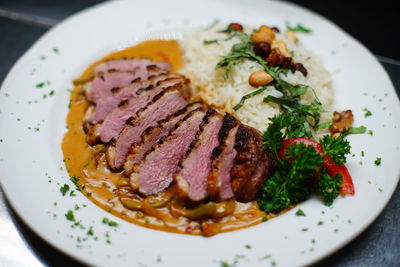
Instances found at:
x=191 y=179
x=152 y=135
x=165 y=103
x=115 y=121
x=252 y=164
x=108 y=76
x=219 y=179
x=155 y=173
x=130 y=64
x=107 y=103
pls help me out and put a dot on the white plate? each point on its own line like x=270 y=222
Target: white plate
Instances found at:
x=31 y=134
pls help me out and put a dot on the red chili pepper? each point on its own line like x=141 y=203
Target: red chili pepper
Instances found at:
x=332 y=167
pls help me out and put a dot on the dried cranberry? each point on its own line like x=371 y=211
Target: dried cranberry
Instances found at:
x=300 y=67
x=236 y=27
x=275 y=29
x=262 y=49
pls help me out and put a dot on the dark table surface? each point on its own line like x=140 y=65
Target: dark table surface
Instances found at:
x=22 y=22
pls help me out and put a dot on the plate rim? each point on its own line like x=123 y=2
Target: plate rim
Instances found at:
x=60 y=248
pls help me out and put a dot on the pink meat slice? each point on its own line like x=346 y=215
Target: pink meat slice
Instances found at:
x=115 y=121
x=191 y=180
x=152 y=135
x=225 y=163
x=168 y=103
x=156 y=171
x=104 y=82
x=107 y=103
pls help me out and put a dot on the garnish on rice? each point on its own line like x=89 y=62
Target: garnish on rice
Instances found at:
x=302 y=166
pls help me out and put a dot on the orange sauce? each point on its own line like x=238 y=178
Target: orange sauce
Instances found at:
x=101 y=185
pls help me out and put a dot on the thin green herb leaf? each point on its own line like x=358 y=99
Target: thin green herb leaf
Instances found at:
x=324 y=125
x=298 y=28
x=358 y=130
x=207 y=42
x=241 y=103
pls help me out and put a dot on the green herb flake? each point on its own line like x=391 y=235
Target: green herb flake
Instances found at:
x=207 y=42
x=40 y=85
x=64 y=189
x=70 y=215
x=75 y=180
x=248 y=246
x=56 y=50
x=367 y=112
x=324 y=125
x=358 y=130
x=299 y=212
x=304 y=229
x=378 y=161
x=109 y=222
x=90 y=231
x=52 y=92
x=313 y=241
x=320 y=223
x=55 y=203
x=264 y=219
x=336 y=230
x=298 y=28
x=380 y=189
x=362 y=153
x=370 y=132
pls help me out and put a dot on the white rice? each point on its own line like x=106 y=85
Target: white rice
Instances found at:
x=209 y=85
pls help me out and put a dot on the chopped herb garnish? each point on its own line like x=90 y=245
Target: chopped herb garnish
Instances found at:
x=299 y=212
x=298 y=28
x=55 y=50
x=70 y=215
x=367 y=112
x=64 y=189
x=264 y=219
x=336 y=230
x=40 y=85
x=378 y=161
x=248 y=246
x=358 y=130
x=324 y=125
x=72 y=193
x=304 y=229
x=257 y=92
x=207 y=42
x=109 y=222
x=320 y=223
x=362 y=153
x=75 y=180
x=90 y=231
x=370 y=132
x=51 y=93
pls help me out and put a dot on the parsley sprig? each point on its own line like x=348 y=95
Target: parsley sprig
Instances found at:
x=296 y=177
